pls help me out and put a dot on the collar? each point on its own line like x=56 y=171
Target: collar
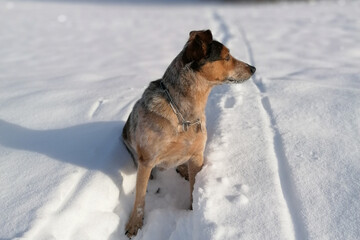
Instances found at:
x=185 y=124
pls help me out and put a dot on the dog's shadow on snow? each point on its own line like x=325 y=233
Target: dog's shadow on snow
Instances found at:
x=90 y=145
x=97 y=146
x=94 y=146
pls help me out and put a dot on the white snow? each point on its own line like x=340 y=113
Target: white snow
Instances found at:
x=283 y=154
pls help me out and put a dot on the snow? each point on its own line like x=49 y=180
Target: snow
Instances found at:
x=282 y=157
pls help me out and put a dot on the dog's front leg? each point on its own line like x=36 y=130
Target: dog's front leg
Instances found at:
x=195 y=165
x=136 y=219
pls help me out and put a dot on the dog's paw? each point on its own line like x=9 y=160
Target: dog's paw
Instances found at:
x=183 y=171
x=133 y=226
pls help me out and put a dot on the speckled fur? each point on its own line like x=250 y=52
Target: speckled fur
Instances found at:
x=153 y=133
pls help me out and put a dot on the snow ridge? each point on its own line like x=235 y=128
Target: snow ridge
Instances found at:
x=284 y=172
x=95 y=109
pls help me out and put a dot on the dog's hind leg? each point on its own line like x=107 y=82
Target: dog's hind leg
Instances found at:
x=183 y=171
x=134 y=157
x=127 y=139
x=136 y=219
x=131 y=151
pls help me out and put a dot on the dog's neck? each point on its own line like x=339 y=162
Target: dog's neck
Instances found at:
x=188 y=89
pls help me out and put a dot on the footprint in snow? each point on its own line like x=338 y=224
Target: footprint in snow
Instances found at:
x=96 y=107
x=242 y=199
x=230 y=102
x=240 y=189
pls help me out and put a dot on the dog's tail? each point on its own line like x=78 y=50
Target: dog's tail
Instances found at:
x=125 y=140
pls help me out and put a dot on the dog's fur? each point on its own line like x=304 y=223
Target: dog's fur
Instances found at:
x=155 y=135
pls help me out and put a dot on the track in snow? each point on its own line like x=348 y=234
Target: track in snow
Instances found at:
x=96 y=107
x=287 y=187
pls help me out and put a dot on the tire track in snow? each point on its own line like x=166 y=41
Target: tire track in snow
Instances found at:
x=284 y=172
x=219 y=93
x=226 y=35
x=224 y=101
x=291 y=227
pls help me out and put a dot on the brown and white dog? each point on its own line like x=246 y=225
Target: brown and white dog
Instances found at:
x=167 y=126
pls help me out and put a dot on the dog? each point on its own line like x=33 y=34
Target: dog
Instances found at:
x=167 y=126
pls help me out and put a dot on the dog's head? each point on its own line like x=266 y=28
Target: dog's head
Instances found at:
x=213 y=61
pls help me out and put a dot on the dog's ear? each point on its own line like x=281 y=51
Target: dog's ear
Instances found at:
x=197 y=46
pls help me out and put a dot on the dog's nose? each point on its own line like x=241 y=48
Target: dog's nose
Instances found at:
x=252 y=69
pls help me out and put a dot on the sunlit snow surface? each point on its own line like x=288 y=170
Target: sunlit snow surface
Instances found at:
x=283 y=152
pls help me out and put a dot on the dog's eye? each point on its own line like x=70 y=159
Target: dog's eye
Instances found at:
x=227 y=58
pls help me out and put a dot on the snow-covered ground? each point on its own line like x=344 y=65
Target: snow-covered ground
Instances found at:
x=283 y=153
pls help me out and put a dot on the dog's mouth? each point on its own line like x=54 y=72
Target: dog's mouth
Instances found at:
x=241 y=75
x=235 y=81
